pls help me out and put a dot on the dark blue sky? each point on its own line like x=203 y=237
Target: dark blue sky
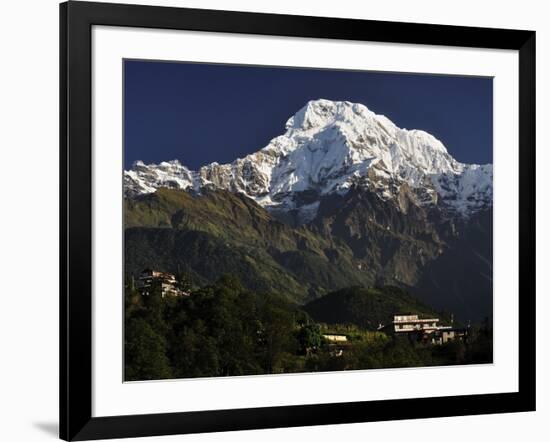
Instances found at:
x=199 y=113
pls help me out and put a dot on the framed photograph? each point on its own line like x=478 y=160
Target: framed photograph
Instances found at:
x=272 y=221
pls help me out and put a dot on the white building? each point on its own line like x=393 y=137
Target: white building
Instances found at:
x=166 y=282
x=427 y=330
x=412 y=323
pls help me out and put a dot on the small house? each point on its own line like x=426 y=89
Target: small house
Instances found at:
x=336 y=339
x=336 y=343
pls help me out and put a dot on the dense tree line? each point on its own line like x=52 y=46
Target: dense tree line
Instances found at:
x=226 y=330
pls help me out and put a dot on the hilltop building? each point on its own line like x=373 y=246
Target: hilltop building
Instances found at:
x=151 y=280
x=412 y=323
x=426 y=330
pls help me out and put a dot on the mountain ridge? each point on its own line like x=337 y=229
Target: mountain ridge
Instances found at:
x=331 y=147
x=357 y=239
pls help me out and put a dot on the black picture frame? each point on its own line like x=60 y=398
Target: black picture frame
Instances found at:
x=76 y=21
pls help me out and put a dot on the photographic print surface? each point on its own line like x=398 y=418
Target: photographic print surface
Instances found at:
x=285 y=220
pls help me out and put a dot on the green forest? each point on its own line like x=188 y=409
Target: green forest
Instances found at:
x=225 y=329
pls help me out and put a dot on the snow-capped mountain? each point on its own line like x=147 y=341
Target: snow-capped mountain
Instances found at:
x=330 y=147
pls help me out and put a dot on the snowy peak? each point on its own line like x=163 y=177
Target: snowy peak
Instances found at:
x=330 y=147
x=346 y=135
x=144 y=178
x=319 y=113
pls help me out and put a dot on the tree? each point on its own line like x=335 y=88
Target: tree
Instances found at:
x=276 y=333
x=184 y=280
x=309 y=337
x=145 y=352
